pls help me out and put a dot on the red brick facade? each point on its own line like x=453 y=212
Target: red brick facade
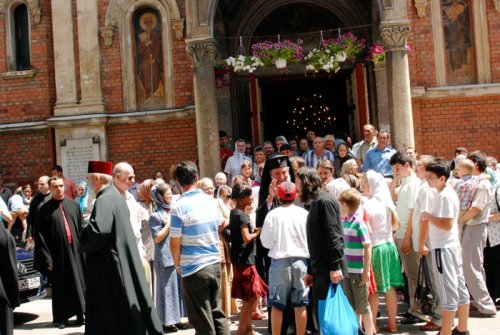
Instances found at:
x=441 y=124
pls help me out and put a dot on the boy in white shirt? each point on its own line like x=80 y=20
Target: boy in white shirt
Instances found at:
x=284 y=234
x=442 y=227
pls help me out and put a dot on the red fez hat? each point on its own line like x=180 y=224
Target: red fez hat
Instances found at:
x=100 y=167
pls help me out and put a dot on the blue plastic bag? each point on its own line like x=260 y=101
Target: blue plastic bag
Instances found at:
x=335 y=314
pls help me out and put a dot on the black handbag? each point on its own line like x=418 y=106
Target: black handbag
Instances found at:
x=424 y=294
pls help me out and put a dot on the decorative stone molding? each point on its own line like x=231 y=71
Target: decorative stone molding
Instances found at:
x=421 y=6
x=107 y=35
x=19 y=74
x=203 y=52
x=33 y=8
x=497 y=5
x=178 y=27
x=394 y=34
x=455 y=91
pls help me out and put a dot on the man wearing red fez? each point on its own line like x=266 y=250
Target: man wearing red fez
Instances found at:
x=118 y=298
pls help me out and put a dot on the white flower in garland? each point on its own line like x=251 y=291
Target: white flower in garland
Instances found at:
x=244 y=63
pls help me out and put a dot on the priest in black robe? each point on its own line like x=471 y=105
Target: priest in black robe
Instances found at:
x=118 y=297
x=9 y=284
x=56 y=253
x=38 y=201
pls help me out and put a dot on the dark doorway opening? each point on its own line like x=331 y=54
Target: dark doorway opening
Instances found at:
x=292 y=105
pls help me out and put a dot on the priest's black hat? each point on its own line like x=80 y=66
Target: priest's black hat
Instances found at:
x=278 y=161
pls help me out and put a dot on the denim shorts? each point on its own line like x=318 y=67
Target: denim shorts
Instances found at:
x=286 y=283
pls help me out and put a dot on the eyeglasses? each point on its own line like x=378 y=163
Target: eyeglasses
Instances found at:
x=130 y=178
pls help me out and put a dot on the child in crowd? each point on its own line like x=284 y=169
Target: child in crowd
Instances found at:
x=247 y=284
x=442 y=228
x=284 y=234
x=466 y=186
x=358 y=251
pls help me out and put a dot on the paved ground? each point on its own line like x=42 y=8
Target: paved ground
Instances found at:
x=35 y=318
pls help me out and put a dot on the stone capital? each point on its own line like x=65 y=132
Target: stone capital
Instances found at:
x=178 y=27
x=395 y=34
x=421 y=6
x=202 y=52
x=497 y=5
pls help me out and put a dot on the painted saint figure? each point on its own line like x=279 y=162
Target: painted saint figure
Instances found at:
x=149 y=65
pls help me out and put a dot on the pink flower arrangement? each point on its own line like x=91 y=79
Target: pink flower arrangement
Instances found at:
x=376 y=54
x=269 y=52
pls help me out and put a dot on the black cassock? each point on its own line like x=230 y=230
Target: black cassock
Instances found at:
x=118 y=297
x=9 y=284
x=52 y=249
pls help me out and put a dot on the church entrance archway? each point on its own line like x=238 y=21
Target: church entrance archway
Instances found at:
x=273 y=98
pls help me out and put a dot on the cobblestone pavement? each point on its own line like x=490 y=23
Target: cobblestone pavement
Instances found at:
x=35 y=318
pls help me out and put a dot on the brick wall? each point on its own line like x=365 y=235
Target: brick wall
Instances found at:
x=152 y=146
x=494 y=39
x=421 y=54
x=112 y=68
x=25 y=157
x=441 y=125
x=30 y=99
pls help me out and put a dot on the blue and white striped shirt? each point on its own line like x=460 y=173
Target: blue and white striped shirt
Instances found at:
x=195 y=220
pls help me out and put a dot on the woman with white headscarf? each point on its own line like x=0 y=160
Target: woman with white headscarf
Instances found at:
x=169 y=303
x=382 y=219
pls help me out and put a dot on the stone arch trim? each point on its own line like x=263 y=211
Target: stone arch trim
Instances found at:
x=258 y=10
x=33 y=8
x=118 y=17
x=116 y=8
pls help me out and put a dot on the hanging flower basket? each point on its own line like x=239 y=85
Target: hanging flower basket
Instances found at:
x=345 y=47
x=322 y=60
x=270 y=53
x=351 y=44
x=242 y=63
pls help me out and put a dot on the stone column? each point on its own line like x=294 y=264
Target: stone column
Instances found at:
x=394 y=35
x=88 y=46
x=64 y=57
x=203 y=53
x=382 y=99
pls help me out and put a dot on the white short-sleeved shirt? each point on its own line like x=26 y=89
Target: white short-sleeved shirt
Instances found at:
x=423 y=204
x=337 y=186
x=445 y=205
x=380 y=221
x=407 y=196
x=284 y=232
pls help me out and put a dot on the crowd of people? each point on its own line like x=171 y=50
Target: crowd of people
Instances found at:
x=279 y=225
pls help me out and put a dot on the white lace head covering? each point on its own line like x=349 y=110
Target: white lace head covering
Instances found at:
x=379 y=189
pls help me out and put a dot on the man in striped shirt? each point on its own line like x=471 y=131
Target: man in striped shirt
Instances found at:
x=358 y=252
x=318 y=153
x=194 y=243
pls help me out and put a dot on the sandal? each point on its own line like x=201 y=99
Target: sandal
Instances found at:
x=170 y=329
x=386 y=329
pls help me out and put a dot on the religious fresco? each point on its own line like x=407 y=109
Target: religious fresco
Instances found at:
x=459 y=43
x=150 y=86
